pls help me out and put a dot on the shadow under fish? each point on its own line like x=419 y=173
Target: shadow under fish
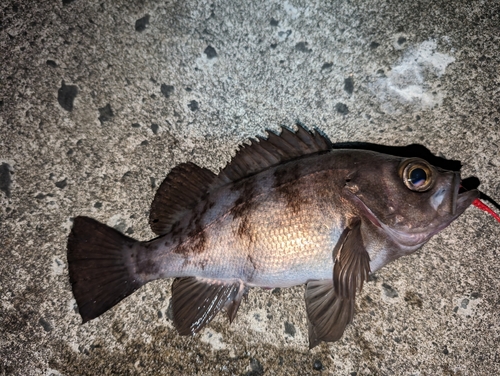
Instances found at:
x=288 y=210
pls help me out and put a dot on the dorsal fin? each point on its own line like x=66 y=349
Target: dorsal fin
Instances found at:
x=182 y=189
x=187 y=184
x=263 y=153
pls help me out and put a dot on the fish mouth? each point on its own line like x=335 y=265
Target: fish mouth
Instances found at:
x=416 y=237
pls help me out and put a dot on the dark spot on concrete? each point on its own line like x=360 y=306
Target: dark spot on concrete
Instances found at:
x=105 y=113
x=160 y=314
x=45 y=324
x=274 y=22
x=188 y=89
x=317 y=365
x=169 y=312
x=62 y=184
x=193 y=105
x=464 y=303
x=136 y=125
x=210 y=52
x=98 y=205
x=445 y=350
x=166 y=90
x=5 y=179
x=145 y=143
x=66 y=2
x=389 y=291
x=408 y=129
x=154 y=128
x=413 y=299
x=274 y=45
x=129 y=231
x=349 y=85
x=256 y=368
x=342 y=108
x=417 y=117
x=401 y=40
x=152 y=180
x=40 y=196
x=120 y=226
x=326 y=66
x=374 y=45
x=276 y=291
x=142 y=23
x=290 y=328
x=66 y=96
x=51 y=63
x=302 y=47
x=285 y=33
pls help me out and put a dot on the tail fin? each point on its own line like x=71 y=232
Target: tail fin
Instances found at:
x=98 y=267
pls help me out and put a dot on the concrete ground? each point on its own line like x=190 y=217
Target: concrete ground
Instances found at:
x=100 y=99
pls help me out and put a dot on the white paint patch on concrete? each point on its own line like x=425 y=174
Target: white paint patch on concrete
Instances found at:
x=52 y=372
x=410 y=80
x=467 y=306
x=58 y=266
x=257 y=320
x=214 y=339
x=292 y=11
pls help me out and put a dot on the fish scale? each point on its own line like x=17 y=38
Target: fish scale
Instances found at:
x=287 y=210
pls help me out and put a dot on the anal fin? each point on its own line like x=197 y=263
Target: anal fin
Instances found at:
x=195 y=302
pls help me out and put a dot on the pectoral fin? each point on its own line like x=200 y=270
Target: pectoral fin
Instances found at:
x=327 y=314
x=330 y=303
x=195 y=302
x=352 y=262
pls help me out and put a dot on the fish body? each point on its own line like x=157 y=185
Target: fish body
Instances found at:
x=287 y=210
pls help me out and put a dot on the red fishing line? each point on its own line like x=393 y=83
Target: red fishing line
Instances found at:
x=481 y=205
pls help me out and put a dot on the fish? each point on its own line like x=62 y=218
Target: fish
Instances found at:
x=287 y=210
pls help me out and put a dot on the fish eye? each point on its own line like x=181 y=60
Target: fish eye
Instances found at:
x=416 y=174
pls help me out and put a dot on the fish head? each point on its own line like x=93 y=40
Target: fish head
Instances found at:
x=409 y=199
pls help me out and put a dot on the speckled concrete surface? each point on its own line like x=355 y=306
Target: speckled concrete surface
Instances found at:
x=99 y=100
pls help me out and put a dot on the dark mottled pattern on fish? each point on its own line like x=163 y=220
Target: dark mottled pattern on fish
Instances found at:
x=192 y=238
x=243 y=206
x=251 y=269
x=245 y=202
x=286 y=178
x=144 y=263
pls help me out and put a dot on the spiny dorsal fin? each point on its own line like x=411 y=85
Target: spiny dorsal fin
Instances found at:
x=187 y=184
x=182 y=189
x=263 y=153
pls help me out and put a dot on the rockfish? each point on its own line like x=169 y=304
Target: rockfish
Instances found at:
x=287 y=210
